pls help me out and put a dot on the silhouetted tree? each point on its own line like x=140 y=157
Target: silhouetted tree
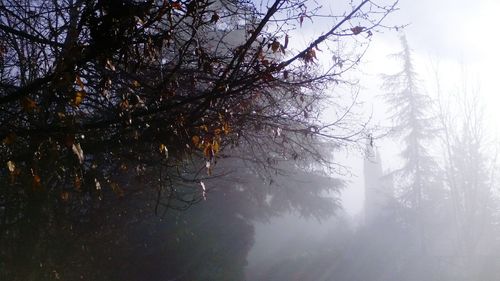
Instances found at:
x=414 y=126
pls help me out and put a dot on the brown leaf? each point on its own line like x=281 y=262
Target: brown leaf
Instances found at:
x=79 y=82
x=208 y=151
x=37 y=181
x=11 y=166
x=285 y=74
x=215 y=147
x=176 y=5
x=69 y=140
x=10 y=138
x=357 y=30
x=275 y=46
x=195 y=140
x=78 y=98
x=28 y=104
x=78 y=183
x=286 y=42
x=65 y=196
x=110 y=65
x=78 y=152
x=124 y=105
x=215 y=18
x=164 y=150
x=225 y=128
x=117 y=190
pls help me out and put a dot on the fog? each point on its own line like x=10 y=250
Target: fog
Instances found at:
x=373 y=157
x=454 y=235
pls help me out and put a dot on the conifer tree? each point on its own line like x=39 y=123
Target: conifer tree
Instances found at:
x=412 y=125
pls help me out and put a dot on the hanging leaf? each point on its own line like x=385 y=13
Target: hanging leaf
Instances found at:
x=164 y=150
x=78 y=98
x=215 y=18
x=117 y=190
x=195 y=140
x=203 y=190
x=28 y=104
x=110 y=66
x=225 y=128
x=208 y=151
x=176 y=5
x=69 y=141
x=286 y=42
x=78 y=183
x=10 y=138
x=216 y=147
x=65 y=196
x=208 y=165
x=79 y=83
x=13 y=171
x=77 y=149
x=275 y=46
x=11 y=166
x=37 y=181
x=97 y=185
x=285 y=74
x=357 y=30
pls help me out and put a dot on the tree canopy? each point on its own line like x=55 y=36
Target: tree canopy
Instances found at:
x=95 y=93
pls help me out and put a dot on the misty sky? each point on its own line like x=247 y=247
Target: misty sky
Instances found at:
x=455 y=37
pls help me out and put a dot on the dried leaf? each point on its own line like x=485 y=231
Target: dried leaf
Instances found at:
x=164 y=150
x=124 y=104
x=117 y=190
x=203 y=190
x=215 y=18
x=216 y=147
x=79 y=83
x=78 y=183
x=10 y=138
x=357 y=30
x=78 y=98
x=65 y=196
x=69 y=141
x=286 y=42
x=37 y=181
x=97 y=185
x=77 y=149
x=11 y=166
x=28 y=104
x=208 y=151
x=225 y=128
x=176 y=5
x=275 y=46
x=110 y=65
x=195 y=140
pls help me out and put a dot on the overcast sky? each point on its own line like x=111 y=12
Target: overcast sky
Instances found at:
x=459 y=36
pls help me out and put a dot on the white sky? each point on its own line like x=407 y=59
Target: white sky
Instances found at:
x=456 y=35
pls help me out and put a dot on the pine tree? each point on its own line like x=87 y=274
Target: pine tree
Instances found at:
x=412 y=125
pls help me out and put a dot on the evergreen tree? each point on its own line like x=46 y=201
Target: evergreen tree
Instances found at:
x=412 y=124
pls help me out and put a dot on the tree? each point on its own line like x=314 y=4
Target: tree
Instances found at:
x=108 y=106
x=94 y=91
x=470 y=164
x=413 y=124
x=124 y=239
